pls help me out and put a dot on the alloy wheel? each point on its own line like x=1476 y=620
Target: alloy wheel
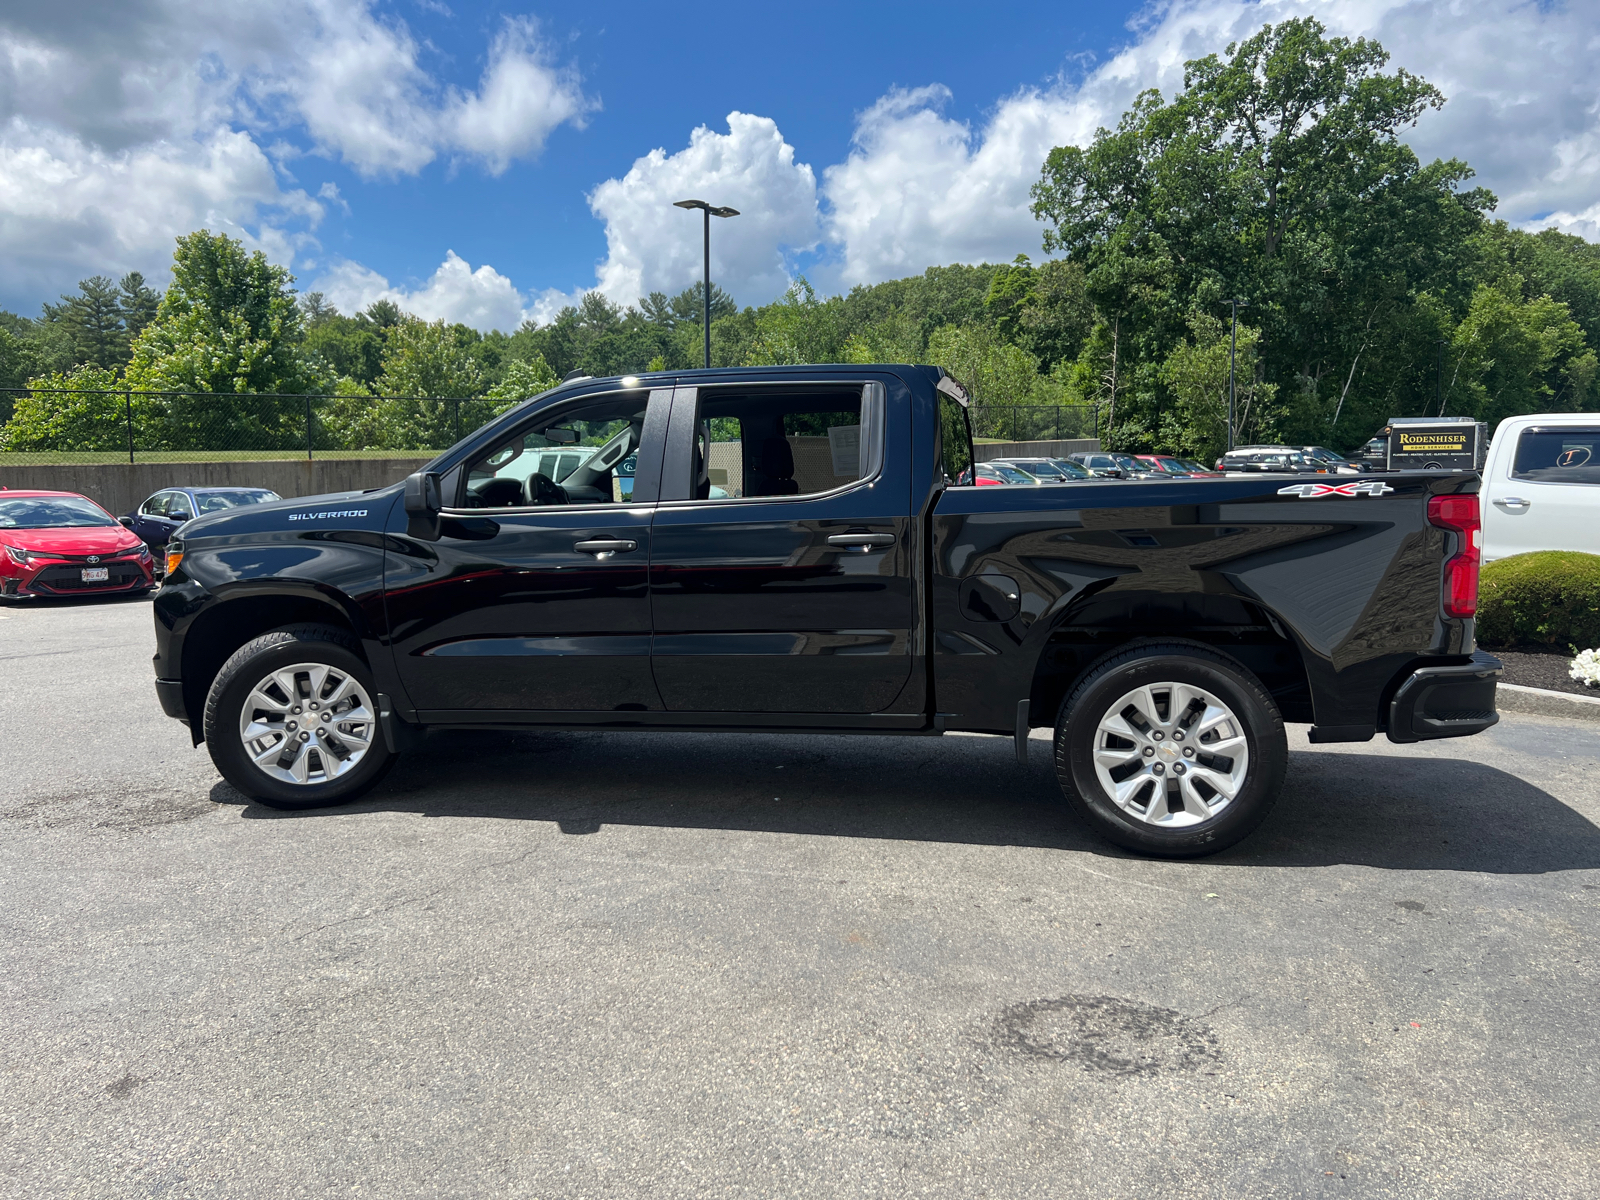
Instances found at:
x=1171 y=754
x=305 y=724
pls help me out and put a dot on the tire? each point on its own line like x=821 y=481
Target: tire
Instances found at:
x=1156 y=780
x=305 y=675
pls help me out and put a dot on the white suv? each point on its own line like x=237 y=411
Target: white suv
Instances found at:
x=1541 y=485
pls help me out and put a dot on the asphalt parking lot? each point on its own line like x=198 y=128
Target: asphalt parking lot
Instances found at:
x=618 y=965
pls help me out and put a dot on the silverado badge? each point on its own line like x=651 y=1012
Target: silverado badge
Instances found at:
x=1316 y=491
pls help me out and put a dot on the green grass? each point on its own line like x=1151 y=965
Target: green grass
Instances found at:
x=92 y=457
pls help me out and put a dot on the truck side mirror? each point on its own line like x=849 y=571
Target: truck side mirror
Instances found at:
x=423 y=505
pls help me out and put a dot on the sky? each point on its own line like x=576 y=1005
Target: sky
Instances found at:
x=488 y=163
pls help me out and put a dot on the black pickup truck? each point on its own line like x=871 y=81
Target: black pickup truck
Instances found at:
x=786 y=549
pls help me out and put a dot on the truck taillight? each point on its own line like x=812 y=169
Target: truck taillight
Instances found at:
x=1459 y=514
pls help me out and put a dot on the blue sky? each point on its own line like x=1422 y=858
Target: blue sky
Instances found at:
x=658 y=71
x=487 y=163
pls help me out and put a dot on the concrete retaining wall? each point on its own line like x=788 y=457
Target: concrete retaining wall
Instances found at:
x=987 y=451
x=119 y=487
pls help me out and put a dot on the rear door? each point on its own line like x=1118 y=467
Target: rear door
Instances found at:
x=534 y=600
x=781 y=561
x=1543 y=490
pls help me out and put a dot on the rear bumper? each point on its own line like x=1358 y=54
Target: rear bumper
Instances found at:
x=1441 y=702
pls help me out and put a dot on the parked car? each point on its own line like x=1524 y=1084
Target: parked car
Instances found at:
x=1167 y=464
x=1275 y=460
x=1336 y=463
x=164 y=513
x=991 y=474
x=1045 y=470
x=1101 y=466
x=1165 y=645
x=63 y=544
x=1541 y=485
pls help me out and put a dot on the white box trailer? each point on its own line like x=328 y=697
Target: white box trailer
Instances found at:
x=1436 y=443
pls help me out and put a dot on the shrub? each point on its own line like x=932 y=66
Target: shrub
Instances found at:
x=1550 y=598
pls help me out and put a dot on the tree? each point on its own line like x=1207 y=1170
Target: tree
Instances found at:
x=524 y=379
x=1278 y=175
x=71 y=412
x=92 y=321
x=316 y=309
x=798 y=329
x=1197 y=373
x=425 y=366
x=140 y=303
x=228 y=323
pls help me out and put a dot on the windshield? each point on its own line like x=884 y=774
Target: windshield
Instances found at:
x=1189 y=464
x=1070 y=469
x=53 y=512
x=1129 y=463
x=1013 y=475
x=210 y=502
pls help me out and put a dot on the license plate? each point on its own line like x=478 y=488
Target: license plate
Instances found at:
x=96 y=574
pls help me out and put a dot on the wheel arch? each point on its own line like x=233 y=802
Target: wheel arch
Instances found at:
x=1101 y=624
x=245 y=612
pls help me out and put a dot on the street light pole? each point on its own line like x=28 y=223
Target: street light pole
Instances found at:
x=1233 y=352
x=709 y=211
x=1438 y=385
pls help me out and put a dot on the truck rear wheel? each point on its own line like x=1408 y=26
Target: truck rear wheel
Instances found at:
x=292 y=720
x=1171 y=749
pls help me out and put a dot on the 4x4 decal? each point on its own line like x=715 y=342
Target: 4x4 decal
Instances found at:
x=1316 y=491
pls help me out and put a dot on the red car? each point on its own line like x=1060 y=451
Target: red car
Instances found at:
x=61 y=544
x=1168 y=465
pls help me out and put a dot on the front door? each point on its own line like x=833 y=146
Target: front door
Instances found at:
x=535 y=598
x=781 y=558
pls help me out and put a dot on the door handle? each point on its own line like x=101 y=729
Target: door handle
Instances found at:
x=1512 y=502
x=605 y=547
x=862 y=540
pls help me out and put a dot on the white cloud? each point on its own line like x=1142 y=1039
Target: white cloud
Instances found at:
x=1524 y=109
x=653 y=246
x=483 y=299
x=521 y=100
x=124 y=123
x=63 y=200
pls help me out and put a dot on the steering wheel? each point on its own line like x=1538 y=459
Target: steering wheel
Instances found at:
x=542 y=490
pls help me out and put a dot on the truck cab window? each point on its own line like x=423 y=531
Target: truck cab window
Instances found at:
x=570 y=457
x=955 y=442
x=781 y=442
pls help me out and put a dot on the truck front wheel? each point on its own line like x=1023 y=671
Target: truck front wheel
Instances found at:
x=1171 y=749
x=292 y=721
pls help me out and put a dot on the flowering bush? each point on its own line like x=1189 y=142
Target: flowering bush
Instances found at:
x=1586 y=668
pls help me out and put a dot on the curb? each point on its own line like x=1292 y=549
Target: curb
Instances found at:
x=1513 y=697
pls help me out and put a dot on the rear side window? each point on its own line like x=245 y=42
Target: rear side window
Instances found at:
x=778 y=442
x=156 y=506
x=955 y=440
x=1558 y=456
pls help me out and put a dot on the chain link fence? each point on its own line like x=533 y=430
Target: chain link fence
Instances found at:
x=1035 y=422
x=105 y=426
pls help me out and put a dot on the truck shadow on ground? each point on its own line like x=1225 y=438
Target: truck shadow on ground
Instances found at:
x=1389 y=811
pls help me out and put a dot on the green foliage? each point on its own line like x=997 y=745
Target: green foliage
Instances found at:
x=1277 y=175
x=69 y=419
x=228 y=323
x=1550 y=598
x=92 y=322
x=524 y=379
x=424 y=364
x=1196 y=374
x=798 y=329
